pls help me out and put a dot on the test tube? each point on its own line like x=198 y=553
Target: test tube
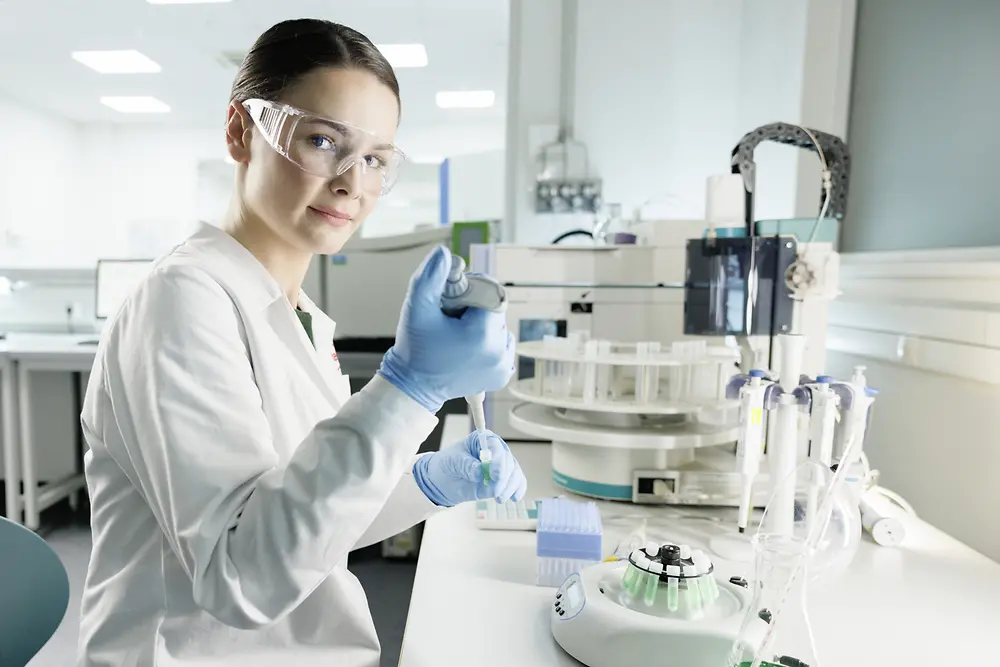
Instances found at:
x=603 y=371
x=652 y=583
x=674 y=373
x=590 y=371
x=673 y=586
x=653 y=372
x=552 y=369
x=641 y=385
x=575 y=344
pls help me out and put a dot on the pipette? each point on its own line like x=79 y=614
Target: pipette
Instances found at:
x=750 y=445
x=461 y=292
x=479 y=421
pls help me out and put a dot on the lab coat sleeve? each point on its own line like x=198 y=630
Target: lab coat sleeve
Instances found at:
x=406 y=507
x=255 y=537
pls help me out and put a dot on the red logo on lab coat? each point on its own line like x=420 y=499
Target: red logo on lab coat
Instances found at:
x=336 y=361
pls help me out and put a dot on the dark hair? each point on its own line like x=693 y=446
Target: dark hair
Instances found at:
x=289 y=50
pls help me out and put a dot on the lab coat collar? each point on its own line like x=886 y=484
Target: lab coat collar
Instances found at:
x=254 y=284
x=306 y=304
x=257 y=288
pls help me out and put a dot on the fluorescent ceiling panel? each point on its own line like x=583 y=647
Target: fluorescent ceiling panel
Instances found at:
x=116 y=62
x=139 y=104
x=465 y=99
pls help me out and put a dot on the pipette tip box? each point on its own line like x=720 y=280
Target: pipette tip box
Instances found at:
x=569 y=538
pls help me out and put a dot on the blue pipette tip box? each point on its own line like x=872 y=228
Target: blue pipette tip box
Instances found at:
x=569 y=529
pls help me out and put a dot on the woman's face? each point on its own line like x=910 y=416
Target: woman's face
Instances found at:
x=309 y=212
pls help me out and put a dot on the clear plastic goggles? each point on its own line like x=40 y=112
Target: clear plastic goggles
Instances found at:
x=325 y=147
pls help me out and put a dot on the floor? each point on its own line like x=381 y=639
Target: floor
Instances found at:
x=69 y=535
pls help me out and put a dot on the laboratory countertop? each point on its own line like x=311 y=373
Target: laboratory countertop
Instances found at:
x=42 y=347
x=932 y=600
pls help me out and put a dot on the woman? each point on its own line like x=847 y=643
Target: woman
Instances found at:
x=230 y=470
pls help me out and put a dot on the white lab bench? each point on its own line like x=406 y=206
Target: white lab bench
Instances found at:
x=21 y=355
x=931 y=601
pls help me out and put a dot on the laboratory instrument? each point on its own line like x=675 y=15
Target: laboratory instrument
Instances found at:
x=633 y=422
x=665 y=603
x=367 y=318
x=568 y=539
x=750 y=443
x=645 y=420
x=461 y=292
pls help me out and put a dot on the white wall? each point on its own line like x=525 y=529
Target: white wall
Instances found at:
x=76 y=193
x=671 y=90
x=770 y=65
x=476 y=186
x=927 y=326
x=39 y=187
x=656 y=90
x=70 y=194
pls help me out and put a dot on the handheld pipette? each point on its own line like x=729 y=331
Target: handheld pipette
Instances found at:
x=750 y=446
x=461 y=292
x=822 y=415
x=479 y=421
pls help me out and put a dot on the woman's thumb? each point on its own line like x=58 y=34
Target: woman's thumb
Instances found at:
x=429 y=280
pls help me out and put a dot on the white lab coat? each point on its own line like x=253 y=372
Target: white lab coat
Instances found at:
x=231 y=472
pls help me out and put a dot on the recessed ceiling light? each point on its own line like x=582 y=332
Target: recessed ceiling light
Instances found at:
x=116 y=62
x=465 y=99
x=140 y=104
x=404 y=55
x=185 y=2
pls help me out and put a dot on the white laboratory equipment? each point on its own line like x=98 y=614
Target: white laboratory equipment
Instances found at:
x=663 y=603
x=634 y=422
x=627 y=293
x=362 y=287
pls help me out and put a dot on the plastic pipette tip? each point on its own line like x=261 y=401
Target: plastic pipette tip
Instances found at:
x=485 y=457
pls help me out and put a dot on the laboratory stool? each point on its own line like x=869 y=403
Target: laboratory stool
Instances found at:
x=34 y=590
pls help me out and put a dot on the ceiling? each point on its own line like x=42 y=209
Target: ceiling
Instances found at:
x=466 y=43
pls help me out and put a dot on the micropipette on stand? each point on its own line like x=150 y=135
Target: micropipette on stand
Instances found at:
x=822 y=416
x=750 y=445
x=461 y=292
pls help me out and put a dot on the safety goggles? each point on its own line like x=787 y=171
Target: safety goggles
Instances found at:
x=325 y=147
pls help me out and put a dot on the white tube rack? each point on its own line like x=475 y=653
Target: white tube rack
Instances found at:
x=631 y=378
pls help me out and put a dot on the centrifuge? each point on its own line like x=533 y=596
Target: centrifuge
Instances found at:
x=665 y=604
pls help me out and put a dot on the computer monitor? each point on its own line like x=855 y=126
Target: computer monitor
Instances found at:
x=116 y=278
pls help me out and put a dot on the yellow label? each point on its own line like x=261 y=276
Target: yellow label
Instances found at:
x=755 y=416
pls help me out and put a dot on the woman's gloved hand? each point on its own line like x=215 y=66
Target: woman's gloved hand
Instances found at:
x=436 y=357
x=454 y=475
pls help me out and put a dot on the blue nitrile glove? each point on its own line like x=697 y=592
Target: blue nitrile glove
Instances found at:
x=455 y=475
x=436 y=357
